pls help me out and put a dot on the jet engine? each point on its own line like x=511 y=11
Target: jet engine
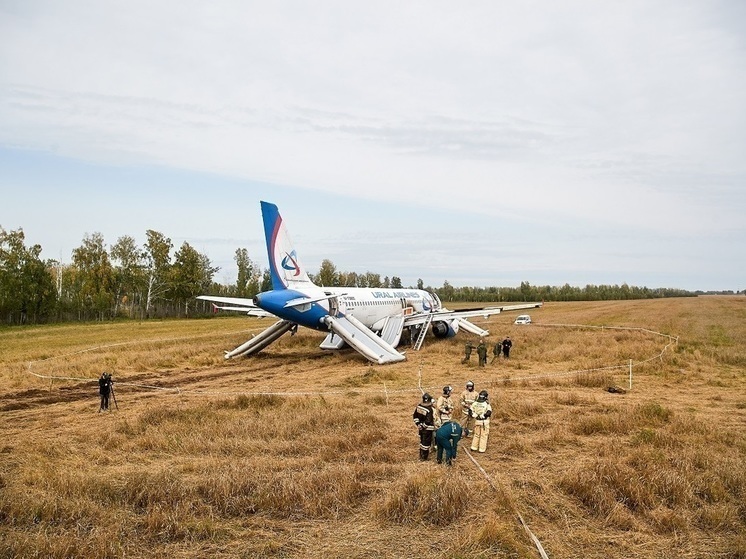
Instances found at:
x=445 y=328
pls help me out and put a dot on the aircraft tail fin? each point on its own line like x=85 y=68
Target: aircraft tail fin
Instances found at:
x=284 y=266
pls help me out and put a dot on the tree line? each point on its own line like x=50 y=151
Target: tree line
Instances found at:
x=99 y=284
x=154 y=280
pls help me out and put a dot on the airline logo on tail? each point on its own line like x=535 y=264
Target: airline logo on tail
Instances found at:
x=290 y=263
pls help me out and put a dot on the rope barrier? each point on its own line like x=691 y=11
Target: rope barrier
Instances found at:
x=536 y=541
x=387 y=391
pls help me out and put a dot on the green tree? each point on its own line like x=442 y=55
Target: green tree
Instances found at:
x=266 y=281
x=191 y=275
x=372 y=280
x=447 y=292
x=39 y=295
x=396 y=282
x=26 y=284
x=249 y=273
x=157 y=255
x=327 y=276
x=129 y=278
x=94 y=278
x=526 y=293
x=351 y=279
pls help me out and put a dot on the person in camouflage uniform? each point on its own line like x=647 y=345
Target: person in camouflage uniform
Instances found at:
x=467 y=352
x=482 y=352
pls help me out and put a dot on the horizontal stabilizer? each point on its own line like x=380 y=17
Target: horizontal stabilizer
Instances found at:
x=246 y=310
x=363 y=340
x=235 y=304
x=238 y=301
x=308 y=300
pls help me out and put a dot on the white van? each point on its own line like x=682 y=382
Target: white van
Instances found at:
x=523 y=319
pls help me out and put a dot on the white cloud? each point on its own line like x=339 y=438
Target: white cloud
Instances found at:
x=620 y=116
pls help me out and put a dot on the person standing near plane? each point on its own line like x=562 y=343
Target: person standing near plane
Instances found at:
x=481 y=411
x=444 y=407
x=424 y=419
x=507 y=344
x=447 y=437
x=466 y=399
x=467 y=352
x=482 y=353
x=496 y=351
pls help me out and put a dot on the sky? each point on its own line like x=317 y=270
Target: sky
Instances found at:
x=484 y=143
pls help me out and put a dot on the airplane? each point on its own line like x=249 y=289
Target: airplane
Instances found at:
x=370 y=320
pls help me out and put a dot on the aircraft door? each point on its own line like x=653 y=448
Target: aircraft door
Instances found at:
x=438 y=305
x=333 y=306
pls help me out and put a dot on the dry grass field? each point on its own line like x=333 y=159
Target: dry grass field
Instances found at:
x=302 y=453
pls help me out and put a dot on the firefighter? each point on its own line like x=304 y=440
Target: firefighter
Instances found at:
x=425 y=421
x=444 y=407
x=482 y=352
x=467 y=352
x=467 y=398
x=481 y=412
x=448 y=436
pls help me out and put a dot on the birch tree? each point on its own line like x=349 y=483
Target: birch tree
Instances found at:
x=372 y=279
x=157 y=256
x=249 y=274
x=128 y=272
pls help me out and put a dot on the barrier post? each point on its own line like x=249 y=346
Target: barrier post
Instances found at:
x=630 y=374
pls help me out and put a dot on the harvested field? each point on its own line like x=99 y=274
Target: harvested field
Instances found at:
x=300 y=453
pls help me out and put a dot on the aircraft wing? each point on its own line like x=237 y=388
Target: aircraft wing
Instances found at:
x=445 y=314
x=237 y=304
x=522 y=306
